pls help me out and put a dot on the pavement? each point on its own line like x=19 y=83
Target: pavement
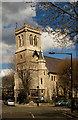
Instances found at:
x=34 y=104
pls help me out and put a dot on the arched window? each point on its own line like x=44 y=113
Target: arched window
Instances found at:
x=20 y=56
x=22 y=40
x=51 y=77
x=41 y=81
x=35 y=40
x=54 y=78
x=31 y=39
x=19 y=41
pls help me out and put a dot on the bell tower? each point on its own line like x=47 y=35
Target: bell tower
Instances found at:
x=28 y=38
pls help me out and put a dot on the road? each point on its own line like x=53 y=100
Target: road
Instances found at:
x=48 y=112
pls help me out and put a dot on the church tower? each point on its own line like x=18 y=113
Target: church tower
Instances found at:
x=29 y=57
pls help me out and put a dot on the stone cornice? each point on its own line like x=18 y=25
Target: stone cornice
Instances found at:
x=20 y=51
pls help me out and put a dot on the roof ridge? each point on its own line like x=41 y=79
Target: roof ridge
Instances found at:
x=53 y=57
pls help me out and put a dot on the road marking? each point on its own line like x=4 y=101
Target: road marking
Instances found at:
x=32 y=115
x=67 y=115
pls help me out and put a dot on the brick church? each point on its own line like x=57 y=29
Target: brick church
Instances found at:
x=42 y=69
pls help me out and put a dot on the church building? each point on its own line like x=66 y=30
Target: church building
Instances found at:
x=30 y=61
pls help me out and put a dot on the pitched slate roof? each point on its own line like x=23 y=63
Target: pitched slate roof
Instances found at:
x=51 y=63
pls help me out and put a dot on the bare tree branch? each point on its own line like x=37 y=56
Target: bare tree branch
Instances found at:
x=64 y=11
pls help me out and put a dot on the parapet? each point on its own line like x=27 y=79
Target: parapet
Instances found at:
x=26 y=27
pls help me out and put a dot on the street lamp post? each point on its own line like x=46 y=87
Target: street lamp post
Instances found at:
x=57 y=88
x=71 y=77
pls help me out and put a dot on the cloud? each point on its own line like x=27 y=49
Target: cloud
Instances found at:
x=21 y=13
x=7 y=52
x=13 y=12
x=49 y=40
x=5 y=72
x=0 y=52
x=18 y=12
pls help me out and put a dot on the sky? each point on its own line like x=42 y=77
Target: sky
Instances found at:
x=21 y=13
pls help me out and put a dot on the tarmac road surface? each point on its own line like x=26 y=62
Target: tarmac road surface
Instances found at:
x=47 y=112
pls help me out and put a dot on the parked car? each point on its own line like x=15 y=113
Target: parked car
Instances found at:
x=76 y=106
x=75 y=103
x=9 y=102
x=61 y=103
x=58 y=103
x=31 y=102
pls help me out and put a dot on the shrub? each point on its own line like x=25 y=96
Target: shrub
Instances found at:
x=21 y=97
x=6 y=97
x=26 y=101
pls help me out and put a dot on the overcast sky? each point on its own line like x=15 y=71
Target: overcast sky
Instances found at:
x=12 y=13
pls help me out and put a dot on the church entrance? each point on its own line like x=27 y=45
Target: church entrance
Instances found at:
x=37 y=94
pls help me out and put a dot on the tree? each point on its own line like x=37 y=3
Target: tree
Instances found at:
x=63 y=71
x=11 y=65
x=75 y=75
x=8 y=80
x=23 y=71
x=24 y=75
x=64 y=74
x=60 y=16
